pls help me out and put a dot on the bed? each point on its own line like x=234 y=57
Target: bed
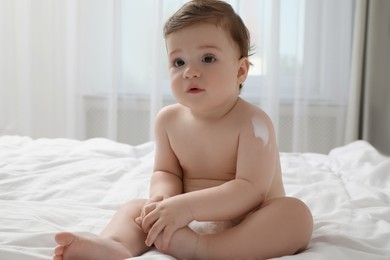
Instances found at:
x=51 y=185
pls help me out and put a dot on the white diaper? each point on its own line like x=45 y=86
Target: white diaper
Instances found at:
x=210 y=227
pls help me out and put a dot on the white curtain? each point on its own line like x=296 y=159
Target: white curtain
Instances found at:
x=97 y=68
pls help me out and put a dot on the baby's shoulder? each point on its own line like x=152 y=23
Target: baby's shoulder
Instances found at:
x=169 y=110
x=168 y=114
x=249 y=112
x=255 y=123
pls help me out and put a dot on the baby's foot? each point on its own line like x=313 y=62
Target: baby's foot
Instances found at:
x=88 y=247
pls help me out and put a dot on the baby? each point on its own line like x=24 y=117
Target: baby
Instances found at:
x=216 y=160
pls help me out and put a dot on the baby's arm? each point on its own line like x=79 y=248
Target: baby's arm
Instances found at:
x=166 y=180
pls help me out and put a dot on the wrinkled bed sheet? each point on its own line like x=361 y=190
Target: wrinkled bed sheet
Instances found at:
x=51 y=185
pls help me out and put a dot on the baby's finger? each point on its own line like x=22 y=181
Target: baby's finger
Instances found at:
x=148 y=221
x=153 y=199
x=138 y=220
x=147 y=202
x=147 y=209
x=154 y=231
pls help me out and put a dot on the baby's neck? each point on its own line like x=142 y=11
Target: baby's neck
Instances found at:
x=215 y=114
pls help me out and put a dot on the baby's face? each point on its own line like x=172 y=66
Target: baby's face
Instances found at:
x=203 y=65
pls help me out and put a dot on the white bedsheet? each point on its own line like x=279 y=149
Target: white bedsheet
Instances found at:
x=51 y=185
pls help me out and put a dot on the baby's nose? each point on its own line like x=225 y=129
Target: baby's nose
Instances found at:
x=191 y=72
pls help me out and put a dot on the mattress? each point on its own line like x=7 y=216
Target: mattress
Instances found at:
x=52 y=185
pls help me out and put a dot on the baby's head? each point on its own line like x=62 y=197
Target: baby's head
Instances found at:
x=214 y=12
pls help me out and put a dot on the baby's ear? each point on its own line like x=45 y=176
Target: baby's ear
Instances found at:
x=243 y=70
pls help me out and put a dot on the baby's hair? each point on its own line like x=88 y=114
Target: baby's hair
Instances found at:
x=214 y=12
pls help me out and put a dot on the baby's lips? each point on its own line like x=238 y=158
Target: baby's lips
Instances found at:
x=192 y=87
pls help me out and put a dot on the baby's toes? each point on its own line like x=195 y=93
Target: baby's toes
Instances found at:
x=64 y=238
x=59 y=251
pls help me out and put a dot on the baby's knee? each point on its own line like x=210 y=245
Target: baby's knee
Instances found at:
x=133 y=207
x=303 y=219
x=137 y=203
x=302 y=210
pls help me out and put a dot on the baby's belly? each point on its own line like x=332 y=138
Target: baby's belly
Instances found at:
x=199 y=184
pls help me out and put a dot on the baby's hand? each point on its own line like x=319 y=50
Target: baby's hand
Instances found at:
x=164 y=218
x=144 y=212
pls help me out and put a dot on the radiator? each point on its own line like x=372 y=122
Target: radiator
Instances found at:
x=322 y=130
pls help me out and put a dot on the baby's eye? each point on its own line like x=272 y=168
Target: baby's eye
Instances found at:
x=178 y=62
x=208 y=59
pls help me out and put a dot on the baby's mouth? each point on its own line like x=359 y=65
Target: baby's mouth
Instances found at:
x=194 y=89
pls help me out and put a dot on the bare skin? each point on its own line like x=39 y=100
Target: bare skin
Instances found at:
x=216 y=160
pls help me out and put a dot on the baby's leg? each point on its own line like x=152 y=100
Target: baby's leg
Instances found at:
x=281 y=226
x=183 y=244
x=123 y=228
x=122 y=238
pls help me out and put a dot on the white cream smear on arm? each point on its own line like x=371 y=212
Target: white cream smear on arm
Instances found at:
x=260 y=129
